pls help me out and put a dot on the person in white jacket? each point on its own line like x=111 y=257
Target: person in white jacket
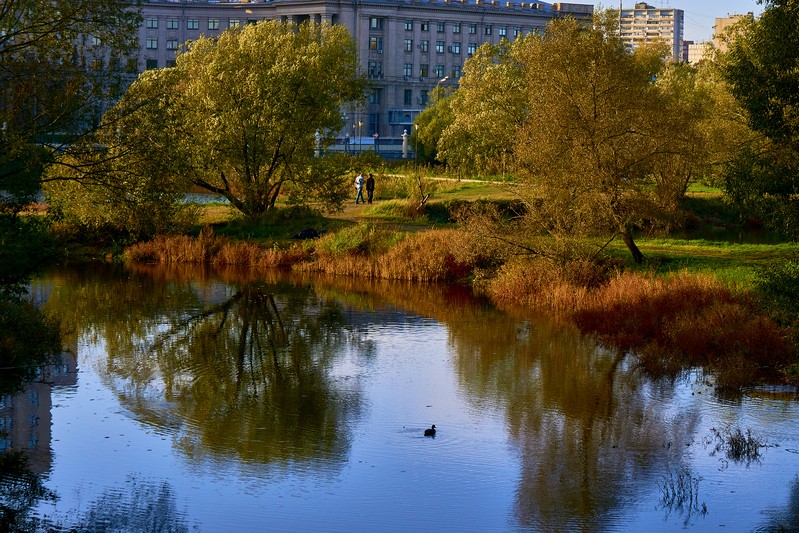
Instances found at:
x=359 y=188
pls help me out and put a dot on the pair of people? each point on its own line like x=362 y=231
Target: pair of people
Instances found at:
x=369 y=183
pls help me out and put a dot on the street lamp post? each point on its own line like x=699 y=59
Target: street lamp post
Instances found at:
x=416 y=148
x=360 y=136
x=438 y=88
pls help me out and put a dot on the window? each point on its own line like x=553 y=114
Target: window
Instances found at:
x=487 y=29
x=456 y=72
x=171 y=44
x=375 y=23
x=152 y=43
x=96 y=41
x=440 y=47
x=409 y=45
x=213 y=24
x=456 y=48
x=376 y=43
x=97 y=64
x=152 y=23
x=171 y=24
x=456 y=27
x=425 y=46
x=151 y=64
x=423 y=97
x=440 y=26
x=438 y=71
x=472 y=29
x=423 y=70
x=408 y=25
x=517 y=31
x=471 y=49
x=376 y=96
x=193 y=24
x=425 y=26
x=375 y=69
x=407 y=69
x=407 y=98
x=170 y=63
x=502 y=31
x=234 y=23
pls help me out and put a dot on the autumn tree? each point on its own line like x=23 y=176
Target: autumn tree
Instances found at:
x=762 y=71
x=239 y=115
x=601 y=147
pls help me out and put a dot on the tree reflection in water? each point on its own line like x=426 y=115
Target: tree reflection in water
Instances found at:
x=590 y=430
x=234 y=366
x=588 y=427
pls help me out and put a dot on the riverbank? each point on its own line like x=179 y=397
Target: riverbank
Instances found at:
x=671 y=317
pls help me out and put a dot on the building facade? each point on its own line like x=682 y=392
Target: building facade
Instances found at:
x=721 y=27
x=405 y=47
x=646 y=24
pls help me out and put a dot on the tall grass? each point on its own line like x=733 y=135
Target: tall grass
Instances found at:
x=367 y=251
x=208 y=248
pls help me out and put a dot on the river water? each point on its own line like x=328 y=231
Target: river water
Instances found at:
x=191 y=400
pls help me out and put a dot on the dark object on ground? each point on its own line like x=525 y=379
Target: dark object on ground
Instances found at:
x=430 y=432
x=308 y=233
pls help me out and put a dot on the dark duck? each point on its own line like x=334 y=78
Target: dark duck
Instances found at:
x=430 y=432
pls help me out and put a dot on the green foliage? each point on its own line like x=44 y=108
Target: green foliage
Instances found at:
x=24 y=247
x=276 y=224
x=239 y=114
x=21 y=167
x=359 y=239
x=779 y=282
x=762 y=70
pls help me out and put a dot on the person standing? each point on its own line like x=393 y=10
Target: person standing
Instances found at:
x=370 y=188
x=359 y=189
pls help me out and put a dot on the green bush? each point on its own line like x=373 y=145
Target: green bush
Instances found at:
x=779 y=284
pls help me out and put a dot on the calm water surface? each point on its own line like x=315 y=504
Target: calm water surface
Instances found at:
x=197 y=401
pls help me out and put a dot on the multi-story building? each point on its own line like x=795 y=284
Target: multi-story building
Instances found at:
x=720 y=29
x=406 y=47
x=648 y=24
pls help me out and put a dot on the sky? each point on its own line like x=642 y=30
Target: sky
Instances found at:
x=700 y=15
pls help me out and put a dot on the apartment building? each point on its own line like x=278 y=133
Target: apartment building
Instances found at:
x=405 y=47
x=721 y=27
x=648 y=24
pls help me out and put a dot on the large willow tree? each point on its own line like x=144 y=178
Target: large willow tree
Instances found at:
x=242 y=115
x=601 y=145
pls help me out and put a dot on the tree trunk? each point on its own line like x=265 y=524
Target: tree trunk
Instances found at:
x=627 y=237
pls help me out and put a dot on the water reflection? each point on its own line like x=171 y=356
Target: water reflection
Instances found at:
x=272 y=371
x=239 y=368
x=588 y=427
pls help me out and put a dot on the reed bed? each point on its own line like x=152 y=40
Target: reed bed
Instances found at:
x=671 y=322
x=208 y=248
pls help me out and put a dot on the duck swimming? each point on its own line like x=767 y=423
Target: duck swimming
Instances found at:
x=430 y=432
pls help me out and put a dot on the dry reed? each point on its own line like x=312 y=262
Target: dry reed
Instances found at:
x=670 y=322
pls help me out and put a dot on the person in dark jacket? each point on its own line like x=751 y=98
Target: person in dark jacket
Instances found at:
x=370 y=188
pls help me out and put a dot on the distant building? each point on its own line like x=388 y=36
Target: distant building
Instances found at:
x=722 y=24
x=696 y=52
x=646 y=24
x=406 y=47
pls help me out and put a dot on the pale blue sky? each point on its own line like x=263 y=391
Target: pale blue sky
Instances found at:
x=700 y=15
